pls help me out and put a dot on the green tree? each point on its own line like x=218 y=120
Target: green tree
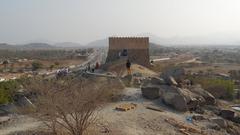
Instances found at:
x=7 y=90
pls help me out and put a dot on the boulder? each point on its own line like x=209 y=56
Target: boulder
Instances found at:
x=157 y=81
x=163 y=89
x=236 y=119
x=192 y=97
x=209 y=98
x=227 y=114
x=193 y=104
x=154 y=81
x=150 y=91
x=214 y=126
x=172 y=81
x=199 y=110
x=219 y=121
x=194 y=101
x=180 y=99
x=187 y=82
x=174 y=98
x=175 y=72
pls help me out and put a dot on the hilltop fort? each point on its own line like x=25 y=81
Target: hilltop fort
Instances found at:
x=136 y=49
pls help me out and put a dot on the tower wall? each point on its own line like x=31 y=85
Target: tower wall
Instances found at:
x=137 y=48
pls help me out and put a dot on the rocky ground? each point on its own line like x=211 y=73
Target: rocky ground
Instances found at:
x=138 y=121
x=143 y=121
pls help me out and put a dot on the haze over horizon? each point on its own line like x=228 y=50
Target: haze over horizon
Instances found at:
x=83 y=21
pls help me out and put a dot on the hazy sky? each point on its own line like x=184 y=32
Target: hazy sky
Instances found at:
x=86 y=20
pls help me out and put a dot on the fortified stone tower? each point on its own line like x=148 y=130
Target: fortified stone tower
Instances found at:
x=136 y=49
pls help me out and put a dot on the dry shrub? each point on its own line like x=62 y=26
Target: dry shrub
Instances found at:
x=69 y=105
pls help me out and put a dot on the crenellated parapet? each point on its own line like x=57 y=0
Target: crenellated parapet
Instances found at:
x=128 y=42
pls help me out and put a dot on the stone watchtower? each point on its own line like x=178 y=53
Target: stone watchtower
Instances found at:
x=136 y=49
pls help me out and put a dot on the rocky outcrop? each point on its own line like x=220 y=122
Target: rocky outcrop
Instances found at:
x=154 y=81
x=175 y=72
x=173 y=96
x=227 y=114
x=219 y=121
x=171 y=81
x=236 y=119
x=179 y=98
x=150 y=91
x=182 y=99
x=151 y=87
x=209 y=98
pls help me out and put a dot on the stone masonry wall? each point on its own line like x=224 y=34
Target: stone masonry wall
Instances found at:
x=137 y=48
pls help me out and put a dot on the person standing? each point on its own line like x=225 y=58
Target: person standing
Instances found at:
x=128 y=66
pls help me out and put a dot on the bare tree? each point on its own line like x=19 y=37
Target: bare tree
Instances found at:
x=67 y=105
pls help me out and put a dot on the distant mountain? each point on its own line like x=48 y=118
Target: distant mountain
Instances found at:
x=98 y=43
x=30 y=46
x=37 y=46
x=211 y=39
x=6 y=46
x=68 y=44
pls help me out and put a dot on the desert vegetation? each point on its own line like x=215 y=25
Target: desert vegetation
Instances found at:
x=7 y=90
x=34 y=54
x=220 y=88
x=69 y=105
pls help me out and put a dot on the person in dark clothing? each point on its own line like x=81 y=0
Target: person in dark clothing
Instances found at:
x=128 y=66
